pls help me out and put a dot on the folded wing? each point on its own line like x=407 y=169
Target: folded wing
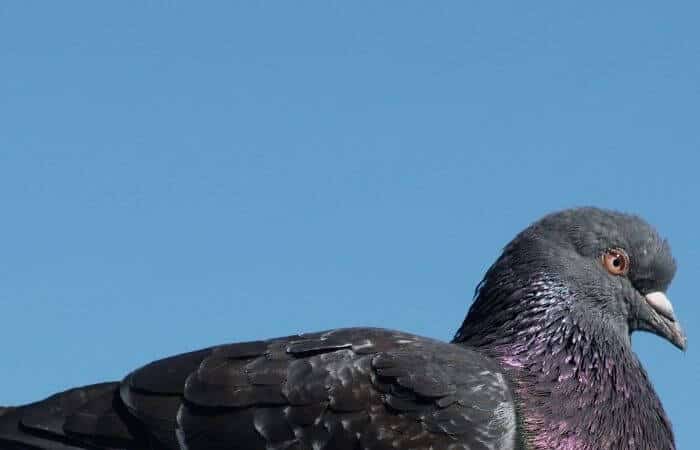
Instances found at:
x=341 y=389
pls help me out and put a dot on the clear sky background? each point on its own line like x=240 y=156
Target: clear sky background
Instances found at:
x=174 y=176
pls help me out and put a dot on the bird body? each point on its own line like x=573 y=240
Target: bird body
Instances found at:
x=543 y=360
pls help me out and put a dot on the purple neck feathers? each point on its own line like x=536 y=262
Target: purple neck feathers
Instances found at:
x=579 y=385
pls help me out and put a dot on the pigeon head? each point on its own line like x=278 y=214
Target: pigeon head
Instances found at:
x=604 y=268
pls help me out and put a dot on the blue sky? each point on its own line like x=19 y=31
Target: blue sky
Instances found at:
x=175 y=176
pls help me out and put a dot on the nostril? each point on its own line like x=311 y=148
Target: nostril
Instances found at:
x=661 y=304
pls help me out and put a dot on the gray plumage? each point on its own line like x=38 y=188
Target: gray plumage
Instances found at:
x=543 y=360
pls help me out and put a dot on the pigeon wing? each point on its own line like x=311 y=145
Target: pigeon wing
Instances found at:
x=342 y=389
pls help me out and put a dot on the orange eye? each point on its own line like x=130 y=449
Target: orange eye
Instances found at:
x=616 y=261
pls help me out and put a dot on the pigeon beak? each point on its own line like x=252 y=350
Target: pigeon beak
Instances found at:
x=658 y=318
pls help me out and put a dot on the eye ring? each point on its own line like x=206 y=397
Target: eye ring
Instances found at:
x=616 y=261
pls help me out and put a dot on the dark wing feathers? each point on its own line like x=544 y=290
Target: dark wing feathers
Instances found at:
x=103 y=417
x=153 y=393
x=69 y=420
x=168 y=375
x=355 y=388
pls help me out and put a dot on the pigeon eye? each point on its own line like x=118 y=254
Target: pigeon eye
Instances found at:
x=616 y=261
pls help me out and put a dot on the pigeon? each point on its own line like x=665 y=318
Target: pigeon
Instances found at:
x=543 y=360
